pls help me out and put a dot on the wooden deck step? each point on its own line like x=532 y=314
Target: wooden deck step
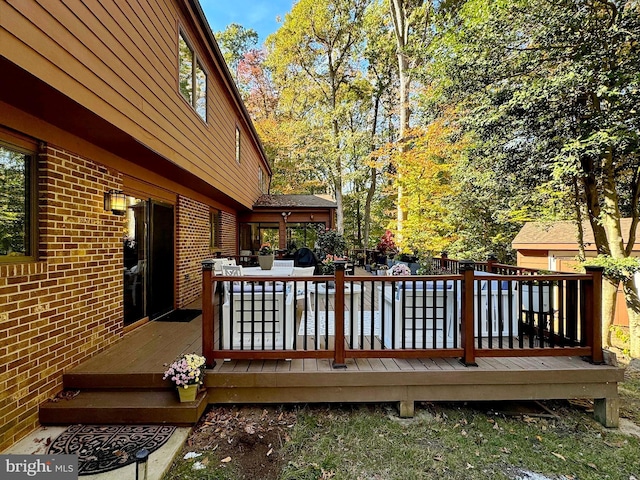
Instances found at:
x=104 y=381
x=124 y=407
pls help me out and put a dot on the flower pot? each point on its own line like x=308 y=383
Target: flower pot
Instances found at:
x=265 y=261
x=189 y=393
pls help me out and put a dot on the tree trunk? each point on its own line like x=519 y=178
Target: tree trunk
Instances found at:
x=401 y=27
x=578 y=210
x=609 y=293
x=633 y=308
x=374 y=175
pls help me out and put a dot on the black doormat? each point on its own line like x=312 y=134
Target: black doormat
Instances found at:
x=181 y=315
x=101 y=448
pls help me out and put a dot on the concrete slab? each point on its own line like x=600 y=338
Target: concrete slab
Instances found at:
x=159 y=461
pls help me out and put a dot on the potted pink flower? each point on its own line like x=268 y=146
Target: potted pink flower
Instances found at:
x=187 y=373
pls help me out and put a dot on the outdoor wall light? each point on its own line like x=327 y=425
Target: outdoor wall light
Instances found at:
x=116 y=201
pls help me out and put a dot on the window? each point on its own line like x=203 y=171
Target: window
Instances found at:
x=192 y=78
x=262 y=180
x=17 y=214
x=215 y=237
x=237 y=144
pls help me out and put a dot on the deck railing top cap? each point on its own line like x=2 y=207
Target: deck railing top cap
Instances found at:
x=340 y=264
x=207 y=264
x=593 y=268
x=466 y=265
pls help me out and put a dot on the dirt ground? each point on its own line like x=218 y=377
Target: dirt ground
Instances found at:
x=248 y=439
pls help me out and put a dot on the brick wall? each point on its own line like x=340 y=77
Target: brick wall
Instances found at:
x=192 y=246
x=229 y=227
x=60 y=310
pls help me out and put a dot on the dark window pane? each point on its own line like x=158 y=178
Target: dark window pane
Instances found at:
x=14 y=203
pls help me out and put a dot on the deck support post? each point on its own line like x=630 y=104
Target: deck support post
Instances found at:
x=208 y=300
x=492 y=260
x=593 y=312
x=339 y=353
x=444 y=257
x=606 y=411
x=469 y=355
x=407 y=408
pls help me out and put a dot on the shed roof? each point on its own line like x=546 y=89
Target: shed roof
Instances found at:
x=559 y=235
x=294 y=201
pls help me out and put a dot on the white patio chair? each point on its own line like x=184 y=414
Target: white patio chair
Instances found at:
x=283 y=263
x=218 y=263
x=257 y=313
x=230 y=271
x=419 y=314
x=303 y=293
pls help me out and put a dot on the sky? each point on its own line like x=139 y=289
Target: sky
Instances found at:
x=260 y=15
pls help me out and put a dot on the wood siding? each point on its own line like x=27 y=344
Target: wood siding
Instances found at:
x=119 y=60
x=533 y=259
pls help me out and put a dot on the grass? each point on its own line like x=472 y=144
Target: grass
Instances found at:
x=452 y=441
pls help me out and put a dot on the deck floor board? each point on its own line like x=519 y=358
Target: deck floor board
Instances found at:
x=149 y=348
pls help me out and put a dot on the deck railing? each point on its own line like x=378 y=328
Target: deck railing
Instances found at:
x=465 y=315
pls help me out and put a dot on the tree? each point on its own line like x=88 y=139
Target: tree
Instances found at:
x=235 y=41
x=550 y=89
x=411 y=19
x=314 y=56
x=382 y=75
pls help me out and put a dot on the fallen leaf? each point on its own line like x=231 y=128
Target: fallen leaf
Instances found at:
x=593 y=465
x=205 y=461
x=270 y=452
x=438 y=458
x=559 y=456
x=615 y=445
x=539 y=438
x=226 y=460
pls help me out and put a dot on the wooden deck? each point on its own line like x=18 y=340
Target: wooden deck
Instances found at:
x=134 y=367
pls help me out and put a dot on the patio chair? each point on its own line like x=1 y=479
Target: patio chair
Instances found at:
x=284 y=263
x=302 y=292
x=218 y=263
x=256 y=314
x=417 y=314
x=498 y=306
x=245 y=257
x=135 y=278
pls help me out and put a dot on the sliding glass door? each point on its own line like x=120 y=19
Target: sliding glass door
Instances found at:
x=148 y=260
x=135 y=260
